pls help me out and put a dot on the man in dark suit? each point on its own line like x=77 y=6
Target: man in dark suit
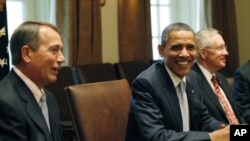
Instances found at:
x=211 y=57
x=157 y=107
x=36 y=49
x=241 y=90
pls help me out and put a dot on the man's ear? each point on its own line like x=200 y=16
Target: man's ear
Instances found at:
x=161 y=50
x=26 y=53
x=202 y=53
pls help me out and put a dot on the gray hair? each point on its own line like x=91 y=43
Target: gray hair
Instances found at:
x=203 y=39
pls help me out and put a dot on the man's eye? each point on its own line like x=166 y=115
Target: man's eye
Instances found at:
x=190 y=47
x=176 y=47
x=54 y=50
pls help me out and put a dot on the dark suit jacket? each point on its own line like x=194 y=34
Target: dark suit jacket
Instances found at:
x=21 y=118
x=155 y=113
x=241 y=90
x=210 y=99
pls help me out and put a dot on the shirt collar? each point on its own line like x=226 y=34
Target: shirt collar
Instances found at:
x=175 y=79
x=207 y=74
x=30 y=84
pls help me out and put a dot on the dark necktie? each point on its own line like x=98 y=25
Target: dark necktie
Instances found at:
x=229 y=112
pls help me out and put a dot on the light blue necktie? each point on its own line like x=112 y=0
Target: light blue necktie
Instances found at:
x=184 y=105
x=43 y=105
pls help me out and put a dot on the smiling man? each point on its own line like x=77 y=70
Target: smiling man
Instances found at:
x=29 y=112
x=166 y=102
x=211 y=57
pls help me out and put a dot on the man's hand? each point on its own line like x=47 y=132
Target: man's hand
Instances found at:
x=222 y=134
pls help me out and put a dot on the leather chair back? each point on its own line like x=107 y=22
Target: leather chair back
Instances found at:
x=90 y=73
x=130 y=69
x=100 y=110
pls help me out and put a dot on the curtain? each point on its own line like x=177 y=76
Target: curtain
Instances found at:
x=79 y=22
x=134 y=27
x=224 y=19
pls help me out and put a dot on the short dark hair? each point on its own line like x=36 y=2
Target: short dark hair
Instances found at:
x=178 y=26
x=26 y=34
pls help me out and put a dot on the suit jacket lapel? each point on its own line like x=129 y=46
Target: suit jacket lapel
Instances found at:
x=190 y=93
x=32 y=106
x=171 y=94
x=226 y=88
x=36 y=115
x=208 y=91
x=210 y=94
x=53 y=117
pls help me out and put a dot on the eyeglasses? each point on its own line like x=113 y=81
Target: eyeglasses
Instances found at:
x=219 y=48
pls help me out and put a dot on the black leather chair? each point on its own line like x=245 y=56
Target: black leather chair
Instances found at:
x=130 y=69
x=94 y=73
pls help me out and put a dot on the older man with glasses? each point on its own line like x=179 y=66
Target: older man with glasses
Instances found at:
x=211 y=57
